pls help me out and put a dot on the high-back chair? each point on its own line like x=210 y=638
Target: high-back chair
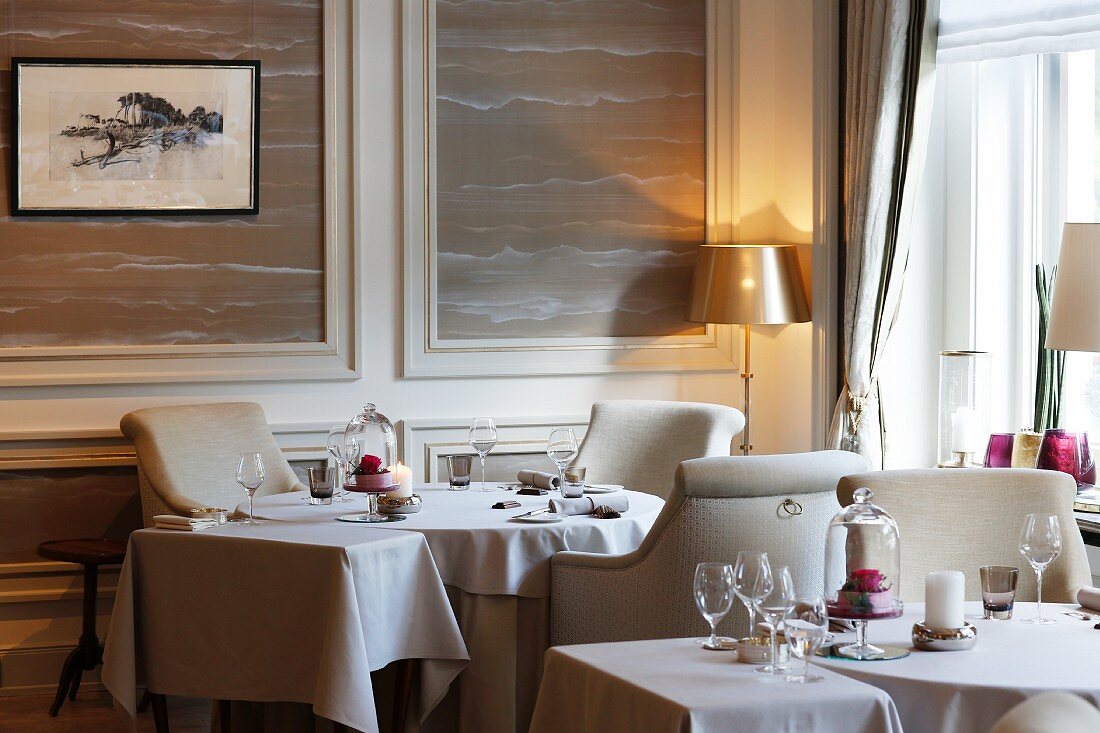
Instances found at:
x=1050 y=712
x=187 y=456
x=963 y=518
x=718 y=507
x=639 y=443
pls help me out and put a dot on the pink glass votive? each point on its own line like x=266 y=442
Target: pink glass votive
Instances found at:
x=998 y=454
x=1069 y=453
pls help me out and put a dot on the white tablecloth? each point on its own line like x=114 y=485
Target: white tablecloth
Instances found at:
x=482 y=550
x=967 y=691
x=280 y=612
x=674 y=686
x=497 y=572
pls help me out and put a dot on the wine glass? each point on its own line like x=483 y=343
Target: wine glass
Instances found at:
x=805 y=631
x=483 y=438
x=713 y=597
x=749 y=567
x=250 y=475
x=338 y=451
x=1040 y=543
x=774 y=605
x=562 y=449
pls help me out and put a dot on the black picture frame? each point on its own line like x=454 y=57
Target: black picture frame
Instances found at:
x=21 y=205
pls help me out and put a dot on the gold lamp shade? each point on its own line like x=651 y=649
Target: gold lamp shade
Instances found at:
x=748 y=283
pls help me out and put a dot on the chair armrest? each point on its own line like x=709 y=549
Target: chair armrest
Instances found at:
x=591 y=560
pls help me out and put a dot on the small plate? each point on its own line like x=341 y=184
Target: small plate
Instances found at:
x=548 y=518
x=602 y=488
x=361 y=518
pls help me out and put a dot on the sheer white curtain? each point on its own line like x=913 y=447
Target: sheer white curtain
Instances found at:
x=972 y=30
x=888 y=99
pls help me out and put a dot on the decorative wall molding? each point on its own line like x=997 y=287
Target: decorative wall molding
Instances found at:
x=529 y=357
x=332 y=359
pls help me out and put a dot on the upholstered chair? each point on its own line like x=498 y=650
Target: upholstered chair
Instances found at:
x=187 y=456
x=963 y=518
x=639 y=443
x=718 y=507
x=1050 y=712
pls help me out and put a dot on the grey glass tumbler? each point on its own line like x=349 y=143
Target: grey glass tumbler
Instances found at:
x=998 y=590
x=458 y=472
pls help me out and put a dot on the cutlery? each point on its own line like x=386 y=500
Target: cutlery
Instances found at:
x=1078 y=614
x=544 y=510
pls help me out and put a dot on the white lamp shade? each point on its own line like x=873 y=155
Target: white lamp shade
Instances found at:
x=1075 y=306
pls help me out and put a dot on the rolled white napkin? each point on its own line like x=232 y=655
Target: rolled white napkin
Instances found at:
x=172 y=521
x=587 y=504
x=1089 y=597
x=538 y=479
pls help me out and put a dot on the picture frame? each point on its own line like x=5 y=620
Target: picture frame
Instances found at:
x=89 y=138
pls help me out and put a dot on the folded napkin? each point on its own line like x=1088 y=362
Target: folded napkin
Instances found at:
x=186 y=524
x=1089 y=597
x=587 y=504
x=538 y=479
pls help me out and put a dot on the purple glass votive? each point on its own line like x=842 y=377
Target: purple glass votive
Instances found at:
x=998 y=454
x=1069 y=453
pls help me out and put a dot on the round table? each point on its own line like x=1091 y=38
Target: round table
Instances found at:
x=497 y=573
x=968 y=691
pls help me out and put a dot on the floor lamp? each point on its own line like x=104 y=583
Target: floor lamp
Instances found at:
x=748 y=284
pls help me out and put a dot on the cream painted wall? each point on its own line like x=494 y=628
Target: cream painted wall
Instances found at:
x=776 y=201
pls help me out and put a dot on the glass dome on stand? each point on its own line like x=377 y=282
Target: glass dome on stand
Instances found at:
x=863 y=573
x=370 y=450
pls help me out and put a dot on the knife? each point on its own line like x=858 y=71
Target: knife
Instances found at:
x=544 y=510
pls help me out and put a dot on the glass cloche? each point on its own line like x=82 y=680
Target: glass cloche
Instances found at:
x=370 y=451
x=863 y=571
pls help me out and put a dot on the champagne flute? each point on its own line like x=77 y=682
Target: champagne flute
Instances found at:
x=805 y=632
x=483 y=438
x=1040 y=543
x=250 y=475
x=562 y=448
x=774 y=605
x=749 y=567
x=713 y=589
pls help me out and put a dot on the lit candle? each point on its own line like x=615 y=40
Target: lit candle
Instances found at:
x=402 y=479
x=964 y=431
x=943 y=599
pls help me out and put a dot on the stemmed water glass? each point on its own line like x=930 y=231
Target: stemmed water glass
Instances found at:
x=483 y=438
x=774 y=605
x=713 y=589
x=562 y=448
x=749 y=567
x=1040 y=543
x=250 y=475
x=344 y=465
x=805 y=631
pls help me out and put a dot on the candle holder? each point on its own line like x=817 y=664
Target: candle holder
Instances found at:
x=964 y=401
x=932 y=639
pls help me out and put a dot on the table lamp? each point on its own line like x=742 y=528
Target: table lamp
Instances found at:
x=748 y=284
x=1075 y=308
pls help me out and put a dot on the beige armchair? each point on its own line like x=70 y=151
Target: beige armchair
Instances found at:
x=961 y=519
x=187 y=456
x=639 y=443
x=718 y=507
x=1050 y=712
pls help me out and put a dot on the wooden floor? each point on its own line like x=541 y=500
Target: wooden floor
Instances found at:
x=92 y=712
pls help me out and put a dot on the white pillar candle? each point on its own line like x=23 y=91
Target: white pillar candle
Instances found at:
x=943 y=599
x=403 y=479
x=964 y=431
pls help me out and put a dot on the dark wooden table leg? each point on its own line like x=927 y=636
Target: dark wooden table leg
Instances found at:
x=402 y=694
x=160 y=712
x=339 y=727
x=143 y=704
x=225 y=715
x=72 y=663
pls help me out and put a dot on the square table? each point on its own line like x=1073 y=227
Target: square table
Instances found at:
x=280 y=612
x=676 y=686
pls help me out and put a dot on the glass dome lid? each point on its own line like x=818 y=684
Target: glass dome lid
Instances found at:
x=370 y=442
x=862 y=569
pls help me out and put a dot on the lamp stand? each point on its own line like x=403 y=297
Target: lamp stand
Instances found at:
x=746 y=374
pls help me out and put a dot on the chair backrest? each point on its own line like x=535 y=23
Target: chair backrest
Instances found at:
x=1050 y=712
x=639 y=443
x=187 y=455
x=718 y=507
x=961 y=519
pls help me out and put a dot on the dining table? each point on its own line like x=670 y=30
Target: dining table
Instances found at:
x=496 y=569
x=676 y=686
x=280 y=612
x=968 y=691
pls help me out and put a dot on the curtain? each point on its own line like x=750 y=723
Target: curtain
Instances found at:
x=890 y=74
x=971 y=30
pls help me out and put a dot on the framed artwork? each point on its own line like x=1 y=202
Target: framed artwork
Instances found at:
x=559 y=177
x=128 y=136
